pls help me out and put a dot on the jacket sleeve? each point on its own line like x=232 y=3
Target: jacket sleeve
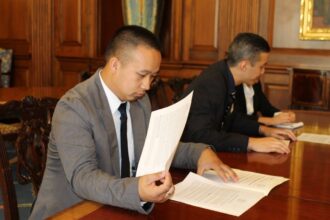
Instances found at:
x=181 y=158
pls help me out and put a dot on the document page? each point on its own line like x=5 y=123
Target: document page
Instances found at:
x=314 y=138
x=233 y=198
x=198 y=191
x=165 y=129
x=259 y=182
x=290 y=125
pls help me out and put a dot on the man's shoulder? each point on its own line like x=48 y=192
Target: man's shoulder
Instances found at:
x=85 y=97
x=214 y=72
x=87 y=88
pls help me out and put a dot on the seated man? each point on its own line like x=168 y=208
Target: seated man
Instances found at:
x=90 y=157
x=212 y=119
x=251 y=100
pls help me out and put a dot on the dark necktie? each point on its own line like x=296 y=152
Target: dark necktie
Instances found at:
x=230 y=104
x=125 y=170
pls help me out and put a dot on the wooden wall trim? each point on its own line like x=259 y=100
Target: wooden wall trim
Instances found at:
x=176 y=30
x=41 y=44
x=236 y=16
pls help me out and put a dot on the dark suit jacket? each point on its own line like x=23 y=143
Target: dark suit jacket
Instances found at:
x=260 y=102
x=83 y=155
x=208 y=121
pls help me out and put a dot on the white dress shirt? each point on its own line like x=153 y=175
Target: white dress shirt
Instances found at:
x=248 y=93
x=114 y=103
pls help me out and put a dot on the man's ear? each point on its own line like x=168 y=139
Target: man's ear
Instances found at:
x=114 y=64
x=243 y=65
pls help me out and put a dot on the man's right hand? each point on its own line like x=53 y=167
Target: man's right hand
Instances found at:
x=268 y=144
x=157 y=187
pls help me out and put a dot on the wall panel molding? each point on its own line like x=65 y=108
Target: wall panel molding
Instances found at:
x=200 y=30
x=41 y=46
x=75 y=28
x=236 y=16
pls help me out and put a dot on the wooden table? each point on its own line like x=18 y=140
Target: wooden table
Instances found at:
x=17 y=93
x=305 y=196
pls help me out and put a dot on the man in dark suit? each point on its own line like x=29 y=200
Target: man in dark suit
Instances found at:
x=212 y=119
x=251 y=100
x=85 y=159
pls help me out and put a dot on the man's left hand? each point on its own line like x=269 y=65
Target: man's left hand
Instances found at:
x=210 y=161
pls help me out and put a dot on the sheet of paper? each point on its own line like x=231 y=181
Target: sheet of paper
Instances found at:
x=290 y=125
x=314 y=138
x=165 y=129
x=210 y=192
x=259 y=182
x=198 y=191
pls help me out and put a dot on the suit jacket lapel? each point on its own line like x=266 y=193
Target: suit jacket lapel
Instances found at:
x=106 y=118
x=139 y=128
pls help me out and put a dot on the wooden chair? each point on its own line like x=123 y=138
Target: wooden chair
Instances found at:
x=158 y=94
x=165 y=92
x=32 y=141
x=85 y=75
x=7 y=185
x=0 y=72
x=179 y=85
x=10 y=122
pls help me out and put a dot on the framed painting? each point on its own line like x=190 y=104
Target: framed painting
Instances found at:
x=314 y=20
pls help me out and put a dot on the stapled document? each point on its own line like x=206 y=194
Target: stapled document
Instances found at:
x=233 y=198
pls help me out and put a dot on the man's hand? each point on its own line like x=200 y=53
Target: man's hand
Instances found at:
x=268 y=144
x=156 y=187
x=278 y=133
x=284 y=117
x=209 y=160
x=279 y=118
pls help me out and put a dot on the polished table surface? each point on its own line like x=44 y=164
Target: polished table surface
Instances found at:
x=305 y=196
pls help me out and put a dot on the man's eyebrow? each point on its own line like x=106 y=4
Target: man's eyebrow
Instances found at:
x=145 y=72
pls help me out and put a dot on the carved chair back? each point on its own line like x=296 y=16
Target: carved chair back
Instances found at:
x=32 y=141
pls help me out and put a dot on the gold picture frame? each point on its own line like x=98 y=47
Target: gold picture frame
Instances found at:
x=314 y=20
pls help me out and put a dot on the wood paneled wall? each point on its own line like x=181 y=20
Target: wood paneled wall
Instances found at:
x=15 y=33
x=55 y=40
x=41 y=43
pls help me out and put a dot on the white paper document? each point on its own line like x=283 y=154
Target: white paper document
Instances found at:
x=165 y=129
x=293 y=125
x=210 y=192
x=314 y=138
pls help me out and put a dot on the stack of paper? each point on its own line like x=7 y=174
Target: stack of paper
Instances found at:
x=210 y=192
x=290 y=125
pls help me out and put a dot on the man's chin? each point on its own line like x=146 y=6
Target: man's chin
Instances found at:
x=137 y=96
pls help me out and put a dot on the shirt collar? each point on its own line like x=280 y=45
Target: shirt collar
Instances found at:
x=113 y=100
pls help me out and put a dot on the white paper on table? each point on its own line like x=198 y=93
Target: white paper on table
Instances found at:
x=164 y=132
x=292 y=125
x=314 y=138
x=210 y=192
x=259 y=182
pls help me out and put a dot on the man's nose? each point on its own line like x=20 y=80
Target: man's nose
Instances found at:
x=262 y=71
x=146 y=81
